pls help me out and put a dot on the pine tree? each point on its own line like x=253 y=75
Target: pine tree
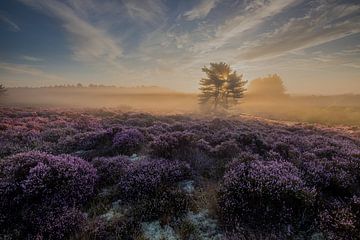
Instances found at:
x=222 y=87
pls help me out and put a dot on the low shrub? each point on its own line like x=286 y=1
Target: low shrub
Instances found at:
x=146 y=177
x=165 y=204
x=339 y=220
x=128 y=141
x=172 y=144
x=227 y=149
x=336 y=177
x=263 y=193
x=116 y=228
x=110 y=169
x=38 y=189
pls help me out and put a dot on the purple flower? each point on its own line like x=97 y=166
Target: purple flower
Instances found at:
x=35 y=187
x=263 y=193
x=146 y=177
x=128 y=141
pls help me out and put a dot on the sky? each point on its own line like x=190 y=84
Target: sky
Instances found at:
x=314 y=45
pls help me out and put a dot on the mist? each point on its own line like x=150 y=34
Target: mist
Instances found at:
x=331 y=109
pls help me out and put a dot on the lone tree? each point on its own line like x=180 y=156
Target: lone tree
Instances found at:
x=222 y=87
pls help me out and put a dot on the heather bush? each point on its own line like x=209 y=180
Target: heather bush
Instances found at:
x=146 y=177
x=336 y=177
x=172 y=144
x=36 y=187
x=101 y=229
x=128 y=141
x=165 y=204
x=339 y=220
x=51 y=222
x=85 y=141
x=110 y=169
x=287 y=179
x=263 y=193
x=227 y=149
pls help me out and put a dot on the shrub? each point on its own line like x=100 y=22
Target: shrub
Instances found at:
x=262 y=193
x=165 y=204
x=170 y=145
x=116 y=228
x=336 y=177
x=339 y=221
x=144 y=178
x=110 y=169
x=36 y=187
x=128 y=141
x=52 y=222
x=85 y=141
x=227 y=149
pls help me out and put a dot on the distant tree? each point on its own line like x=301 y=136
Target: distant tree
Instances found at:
x=222 y=87
x=79 y=85
x=270 y=86
x=2 y=89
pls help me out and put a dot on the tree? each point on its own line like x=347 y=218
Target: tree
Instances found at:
x=270 y=86
x=2 y=89
x=222 y=87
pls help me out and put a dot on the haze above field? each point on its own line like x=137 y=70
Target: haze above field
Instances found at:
x=313 y=45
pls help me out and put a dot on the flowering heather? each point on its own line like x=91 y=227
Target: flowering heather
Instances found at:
x=255 y=177
x=36 y=187
x=147 y=177
x=110 y=169
x=128 y=141
x=171 y=144
x=263 y=192
x=340 y=220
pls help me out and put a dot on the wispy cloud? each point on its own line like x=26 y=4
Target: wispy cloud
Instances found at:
x=31 y=58
x=146 y=11
x=89 y=43
x=324 y=23
x=29 y=70
x=253 y=14
x=13 y=26
x=201 y=10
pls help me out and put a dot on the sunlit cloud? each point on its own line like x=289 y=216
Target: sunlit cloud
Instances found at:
x=201 y=10
x=146 y=11
x=321 y=25
x=252 y=15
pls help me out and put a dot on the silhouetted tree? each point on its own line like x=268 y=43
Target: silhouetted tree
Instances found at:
x=270 y=86
x=222 y=87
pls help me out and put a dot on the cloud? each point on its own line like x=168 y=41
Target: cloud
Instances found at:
x=13 y=26
x=31 y=58
x=324 y=23
x=200 y=11
x=147 y=11
x=28 y=70
x=253 y=14
x=89 y=42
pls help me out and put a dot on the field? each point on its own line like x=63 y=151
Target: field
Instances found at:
x=107 y=174
x=330 y=110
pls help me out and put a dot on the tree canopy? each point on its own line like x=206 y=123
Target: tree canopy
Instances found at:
x=270 y=86
x=222 y=86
